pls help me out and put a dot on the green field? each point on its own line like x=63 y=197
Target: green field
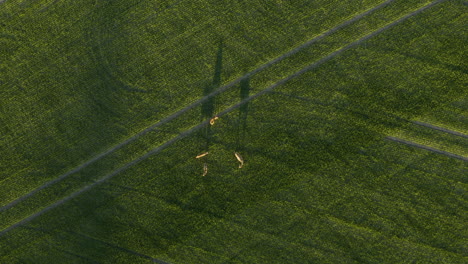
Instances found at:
x=325 y=178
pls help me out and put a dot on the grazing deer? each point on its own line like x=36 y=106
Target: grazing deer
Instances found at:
x=205 y=169
x=240 y=159
x=201 y=155
x=212 y=120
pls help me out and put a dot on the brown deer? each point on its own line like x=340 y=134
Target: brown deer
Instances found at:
x=240 y=159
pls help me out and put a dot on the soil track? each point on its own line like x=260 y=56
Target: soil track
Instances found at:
x=409 y=143
x=440 y=129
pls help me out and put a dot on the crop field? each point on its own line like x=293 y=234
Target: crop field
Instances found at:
x=341 y=133
x=90 y=120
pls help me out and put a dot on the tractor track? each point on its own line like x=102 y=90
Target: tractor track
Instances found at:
x=456 y=133
x=413 y=144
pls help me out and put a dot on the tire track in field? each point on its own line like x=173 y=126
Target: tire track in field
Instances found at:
x=347 y=109
x=378 y=118
x=413 y=144
x=456 y=133
x=199 y=126
x=193 y=105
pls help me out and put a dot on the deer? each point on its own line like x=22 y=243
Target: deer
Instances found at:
x=205 y=169
x=202 y=155
x=240 y=159
x=212 y=120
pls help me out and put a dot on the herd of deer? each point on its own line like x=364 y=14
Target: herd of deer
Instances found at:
x=205 y=165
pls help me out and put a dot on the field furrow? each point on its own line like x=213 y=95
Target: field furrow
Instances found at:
x=441 y=129
x=448 y=154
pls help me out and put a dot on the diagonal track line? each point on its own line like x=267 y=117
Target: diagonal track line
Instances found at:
x=456 y=133
x=410 y=143
x=204 y=123
x=193 y=105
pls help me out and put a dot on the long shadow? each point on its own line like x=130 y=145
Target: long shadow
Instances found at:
x=243 y=112
x=208 y=107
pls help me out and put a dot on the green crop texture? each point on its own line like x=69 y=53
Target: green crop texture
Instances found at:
x=213 y=131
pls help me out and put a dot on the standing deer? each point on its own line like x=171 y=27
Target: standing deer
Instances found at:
x=240 y=159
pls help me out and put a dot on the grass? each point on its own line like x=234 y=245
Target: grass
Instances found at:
x=451 y=116
x=320 y=183
x=100 y=114
x=51 y=166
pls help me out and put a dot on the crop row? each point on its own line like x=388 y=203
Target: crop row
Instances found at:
x=435 y=139
x=451 y=116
